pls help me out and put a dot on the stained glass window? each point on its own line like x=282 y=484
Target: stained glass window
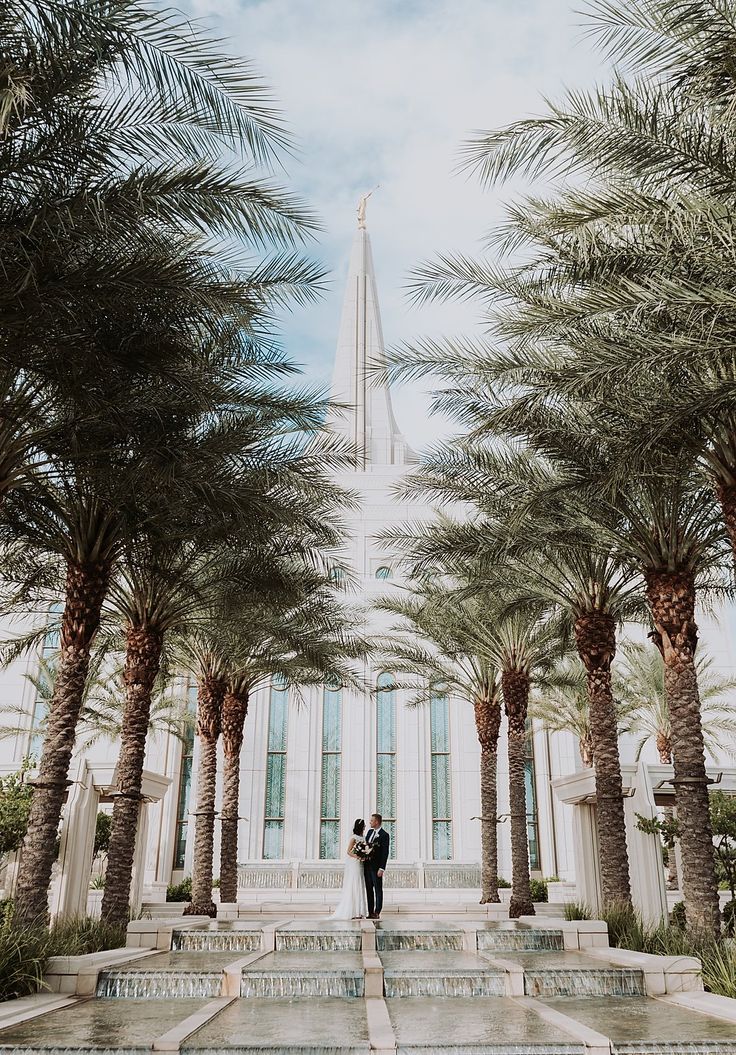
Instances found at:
x=185 y=781
x=275 y=804
x=531 y=802
x=329 y=830
x=386 y=752
x=439 y=724
x=46 y=672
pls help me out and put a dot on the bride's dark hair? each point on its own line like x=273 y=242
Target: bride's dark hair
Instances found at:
x=359 y=826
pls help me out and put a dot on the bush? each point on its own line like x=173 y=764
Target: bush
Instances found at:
x=79 y=935
x=25 y=951
x=24 y=956
x=15 y=805
x=718 y=956
x=103 y=827
x=503 y=884
x=180 y=891
x=574 y=910
x=677 y=915
x=539 y=890
x=729 y=918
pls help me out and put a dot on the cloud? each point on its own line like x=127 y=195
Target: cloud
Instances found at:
x=384 y=92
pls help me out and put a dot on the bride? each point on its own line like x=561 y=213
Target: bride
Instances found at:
x=353 y=903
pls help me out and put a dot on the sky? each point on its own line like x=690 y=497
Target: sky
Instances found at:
x=385 y=92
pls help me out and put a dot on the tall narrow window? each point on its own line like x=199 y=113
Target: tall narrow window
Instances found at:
x=44 y=683
x=532 y=820
x=185 y=779
x=329 y=829
x=386 y=753
x=278 y=720
x=439 y=719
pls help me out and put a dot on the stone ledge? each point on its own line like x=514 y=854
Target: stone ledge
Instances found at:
x=77 y=975
x=722 y=1007
x=662 y=974
x=24 y=1008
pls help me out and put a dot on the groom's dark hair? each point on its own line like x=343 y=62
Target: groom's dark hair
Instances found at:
x=378 y=817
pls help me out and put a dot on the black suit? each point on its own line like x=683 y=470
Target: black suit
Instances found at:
x=381 y=843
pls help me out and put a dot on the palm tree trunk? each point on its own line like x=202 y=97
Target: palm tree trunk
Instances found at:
x=488 y=724
x=595 y=633
x=671 y=597
x=86 y=587
x=209 y=709
x=515 y=686
x=234 y=712
x=142 y=662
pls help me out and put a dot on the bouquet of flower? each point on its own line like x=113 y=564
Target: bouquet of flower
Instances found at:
x=362 y=850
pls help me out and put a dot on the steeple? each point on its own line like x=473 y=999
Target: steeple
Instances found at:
x=368 y=422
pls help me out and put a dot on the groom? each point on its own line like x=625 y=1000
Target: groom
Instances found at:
x=375 y=865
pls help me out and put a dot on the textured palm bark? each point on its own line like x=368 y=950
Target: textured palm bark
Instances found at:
x=142 y=662
x=515 y=685
x=671 y=597
x=595 y=634
x=234 y=713
x=209 y=710
x=488 y=724
x=86 y=587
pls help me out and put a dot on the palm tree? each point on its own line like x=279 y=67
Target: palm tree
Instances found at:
x=100 y=717
x=129 y=244
x=303 y=637
x=640 y=684
x=442 y=640
x=171 y=573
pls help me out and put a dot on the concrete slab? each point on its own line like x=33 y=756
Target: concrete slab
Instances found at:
x=254 y=1023
x=101 y=1024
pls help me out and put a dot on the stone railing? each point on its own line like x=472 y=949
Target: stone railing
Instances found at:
x=433 y=875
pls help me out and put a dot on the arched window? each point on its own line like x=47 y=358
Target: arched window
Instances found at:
x=386 y=752
x=329 y=829
x=384 y=572
x=185 y=779
x=275 y=807
x=439 y=724
x=531 y=801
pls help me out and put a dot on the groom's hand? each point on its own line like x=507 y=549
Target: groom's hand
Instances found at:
x=379 y=873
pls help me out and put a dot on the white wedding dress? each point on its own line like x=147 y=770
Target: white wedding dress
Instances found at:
x=353 y=902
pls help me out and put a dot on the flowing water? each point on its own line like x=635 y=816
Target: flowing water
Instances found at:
x=274 y=985
x=406 y=983
x=521 y=940
x=318 y=941
x=608 y=981
x=159 y=984
x=216 y=941
x=427 y=940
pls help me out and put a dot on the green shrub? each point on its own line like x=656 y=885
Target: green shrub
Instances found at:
x=79 y=935
x=503 y=884
x=677 y=915
x=574 y=910
x=180 y=891
x=24 y=956
x=539 y=890
x=103 y=828
x=729 y=918
x=97 y=883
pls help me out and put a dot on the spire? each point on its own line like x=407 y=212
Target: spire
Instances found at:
x=369 y=422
